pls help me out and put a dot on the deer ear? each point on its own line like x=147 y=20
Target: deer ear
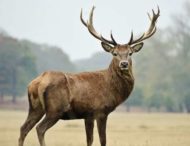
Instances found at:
x=107 y=47
x=137 y=47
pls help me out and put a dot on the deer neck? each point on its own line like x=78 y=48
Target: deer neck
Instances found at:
x=121 y=81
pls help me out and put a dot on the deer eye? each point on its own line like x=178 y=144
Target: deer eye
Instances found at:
x=115 y=53
x=130 y=54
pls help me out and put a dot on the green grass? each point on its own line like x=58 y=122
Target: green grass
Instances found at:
x=124 y=129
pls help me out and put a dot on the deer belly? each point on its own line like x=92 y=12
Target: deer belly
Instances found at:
x=71 y=115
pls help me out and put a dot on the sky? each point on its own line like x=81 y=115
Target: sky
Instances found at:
x=57 y=23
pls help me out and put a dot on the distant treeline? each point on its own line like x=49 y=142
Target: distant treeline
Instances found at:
x=161 y=69
x=21 y=61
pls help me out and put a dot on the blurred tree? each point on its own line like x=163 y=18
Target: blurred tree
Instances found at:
x=17 y=67
x=135 y=99
x=50 y=58
x=152 y=69
x=180 y=36
x=20 y=61
x=97 y=61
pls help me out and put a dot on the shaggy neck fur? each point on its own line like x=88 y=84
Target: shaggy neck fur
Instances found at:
x=121 y=81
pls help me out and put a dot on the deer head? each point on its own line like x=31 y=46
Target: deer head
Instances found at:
x=122 y=52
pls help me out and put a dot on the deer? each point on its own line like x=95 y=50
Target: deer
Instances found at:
x=91 y=96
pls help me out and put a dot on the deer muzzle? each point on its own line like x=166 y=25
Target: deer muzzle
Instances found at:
x=123 y=65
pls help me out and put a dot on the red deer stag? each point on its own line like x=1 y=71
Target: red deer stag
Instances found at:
x=89 y=95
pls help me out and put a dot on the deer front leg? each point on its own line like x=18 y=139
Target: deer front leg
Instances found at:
x=89 y=126
x=101 y=124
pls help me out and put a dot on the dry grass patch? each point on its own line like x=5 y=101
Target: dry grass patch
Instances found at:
x=124 y=129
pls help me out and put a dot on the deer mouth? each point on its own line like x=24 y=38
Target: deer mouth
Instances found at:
x=124 y=68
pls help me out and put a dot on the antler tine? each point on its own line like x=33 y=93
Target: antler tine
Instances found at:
x=113 y=42
x=158 y=10
x=131 y=41
x=149 y=16
x=153 y=12
x=152 y=28
x=82 y=20
x=91 y=29
x=90 y=26
x=131 y=38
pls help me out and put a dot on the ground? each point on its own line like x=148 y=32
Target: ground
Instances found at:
x=124 y=129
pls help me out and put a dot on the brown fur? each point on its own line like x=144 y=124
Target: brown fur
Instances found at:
x=89 y=92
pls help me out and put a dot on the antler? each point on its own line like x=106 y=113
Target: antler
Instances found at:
x=151 y=30
x=91 y=29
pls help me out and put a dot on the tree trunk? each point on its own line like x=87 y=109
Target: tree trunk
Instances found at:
x=14 y=80
x=1 y=97
x=188 y=109
x=187 y=103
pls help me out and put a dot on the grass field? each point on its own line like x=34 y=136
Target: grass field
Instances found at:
x=124 y=129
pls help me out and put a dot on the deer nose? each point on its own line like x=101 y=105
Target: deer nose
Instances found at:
x=123 y=64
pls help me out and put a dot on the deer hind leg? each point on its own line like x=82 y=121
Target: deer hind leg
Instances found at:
x=46 y=123
x=33 y=117
x=89 y=126
x=101 y=124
